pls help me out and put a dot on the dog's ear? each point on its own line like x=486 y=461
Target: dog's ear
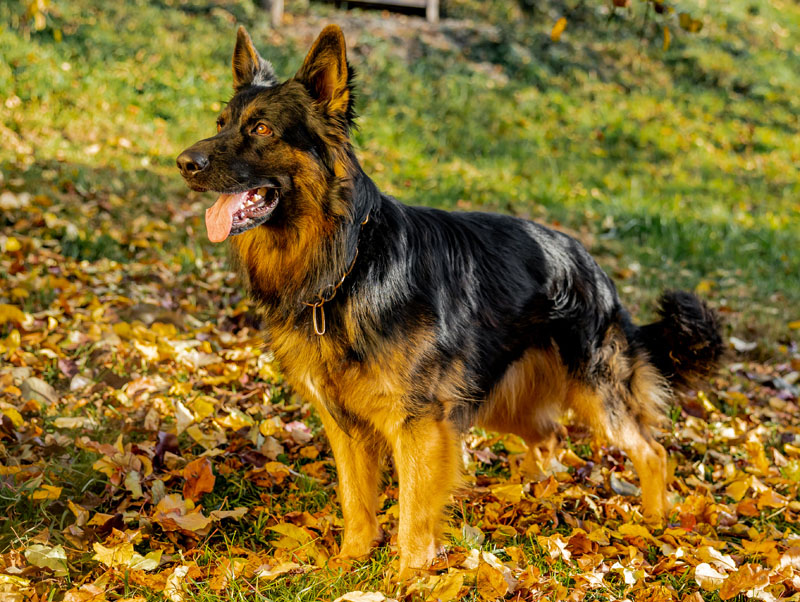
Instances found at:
x=248 y=66
x=326 y=74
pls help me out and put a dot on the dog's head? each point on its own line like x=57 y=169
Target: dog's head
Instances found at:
x=282 y=150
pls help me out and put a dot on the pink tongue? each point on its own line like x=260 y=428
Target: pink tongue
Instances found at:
x=219 y=216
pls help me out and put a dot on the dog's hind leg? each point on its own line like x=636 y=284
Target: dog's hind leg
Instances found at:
x=623 y=398
x=618 y=425
x=357 y=456
x=540 y=452
x=650 y=461
x=426 y=454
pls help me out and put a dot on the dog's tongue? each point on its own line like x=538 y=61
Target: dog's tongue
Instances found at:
x=219 y=216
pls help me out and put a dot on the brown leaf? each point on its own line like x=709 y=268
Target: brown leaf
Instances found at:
x=199 y=479
x=748 y=577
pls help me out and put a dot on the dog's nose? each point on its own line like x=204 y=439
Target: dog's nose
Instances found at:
x=192 y=162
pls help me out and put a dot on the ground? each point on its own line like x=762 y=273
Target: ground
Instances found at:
x=148 y=445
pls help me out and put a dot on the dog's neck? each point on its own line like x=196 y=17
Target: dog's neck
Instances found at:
x=297 y=266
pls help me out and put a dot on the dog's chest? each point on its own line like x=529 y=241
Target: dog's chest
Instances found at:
x=383 y=390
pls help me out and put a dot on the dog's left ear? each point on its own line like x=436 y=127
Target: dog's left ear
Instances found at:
x=325 y=72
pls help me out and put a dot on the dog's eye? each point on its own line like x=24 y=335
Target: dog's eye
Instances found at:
x=219 y=126
x=262 y=130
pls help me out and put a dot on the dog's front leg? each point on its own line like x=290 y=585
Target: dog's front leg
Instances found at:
x=358 y=467
x=426 y=455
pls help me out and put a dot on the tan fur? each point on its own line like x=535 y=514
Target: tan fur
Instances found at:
x=425 y=448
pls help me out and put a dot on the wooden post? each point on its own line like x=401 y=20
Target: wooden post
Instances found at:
x=275 y=11
x=432 y=11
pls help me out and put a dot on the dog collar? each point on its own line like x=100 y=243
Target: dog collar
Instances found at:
x=328 y=293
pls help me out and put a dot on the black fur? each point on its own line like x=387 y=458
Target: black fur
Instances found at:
x=685 y=344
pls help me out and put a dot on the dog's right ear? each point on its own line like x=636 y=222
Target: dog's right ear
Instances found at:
x=249 y=69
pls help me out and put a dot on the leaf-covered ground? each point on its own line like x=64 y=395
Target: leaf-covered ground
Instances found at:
x=148 y=446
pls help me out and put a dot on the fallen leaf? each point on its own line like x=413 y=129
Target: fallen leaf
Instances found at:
x=748 y=577
x=558 y=29
x=708 y=577
x=174 y=587
x=511 y=493
x=199 y=479
x=53 y=558
x=490 y=582
x=47 y=492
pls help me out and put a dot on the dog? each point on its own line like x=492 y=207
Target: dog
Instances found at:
x=406 y=325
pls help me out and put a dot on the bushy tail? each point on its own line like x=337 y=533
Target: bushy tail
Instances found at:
x=686 y=343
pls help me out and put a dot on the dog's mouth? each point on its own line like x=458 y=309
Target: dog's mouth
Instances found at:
x=238 y=212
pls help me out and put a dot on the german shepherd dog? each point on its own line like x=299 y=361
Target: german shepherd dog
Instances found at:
x=406 y=325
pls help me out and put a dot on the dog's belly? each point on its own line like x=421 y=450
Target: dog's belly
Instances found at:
x=529 y=398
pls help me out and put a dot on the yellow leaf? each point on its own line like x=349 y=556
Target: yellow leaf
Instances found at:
x=122 y=330
x=508 y=493
x=771 y=499
x=194 y=521
x=555 y=545
x=667 y=38
x=11 y=313
x=174 y=588
x=203 y=406
x=12 y=245
x=16 y=418
x=738 y=489
x=149 y=562
x=747 y=578
x=270 y=426
x=795 y=325
x=149 y=352
x=237 y=513
x=116 y=556
x=558 y=29
x=14 y=581
x=704 y=286
x=47 y=492
x=636 y=531
x=514 y=444
x=292 y=531
x=490 y=582
x=448 y=586
x=270 y=573
x=758 y=458
x=235 y=420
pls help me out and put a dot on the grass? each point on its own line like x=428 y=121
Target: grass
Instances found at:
x=677 y=167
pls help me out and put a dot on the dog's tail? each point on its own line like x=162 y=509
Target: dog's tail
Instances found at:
x=686 y=343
